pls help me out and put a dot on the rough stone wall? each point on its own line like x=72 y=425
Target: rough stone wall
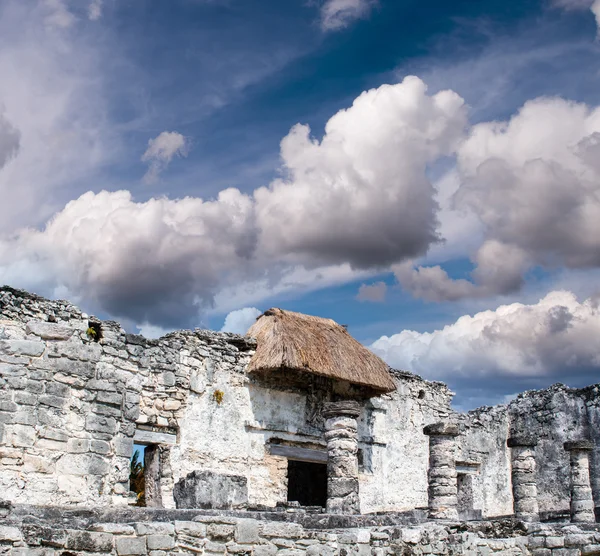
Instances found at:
x=66 y=416
x=398 y=456
x=553 y=416
x=70 y=407
x=140 y=532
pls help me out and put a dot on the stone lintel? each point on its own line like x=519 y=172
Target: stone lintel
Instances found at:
x=441 y=429
x=522 y=440
x=581 y=445
x=345 y=408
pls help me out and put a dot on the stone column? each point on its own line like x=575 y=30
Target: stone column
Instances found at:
x=582 y=501
x=342 y=456
x=524 y=479
x=443 y=488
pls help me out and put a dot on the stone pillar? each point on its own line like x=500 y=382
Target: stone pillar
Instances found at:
x=524 y=479
x=443 y=488
x=341 y=435
x=582 y=501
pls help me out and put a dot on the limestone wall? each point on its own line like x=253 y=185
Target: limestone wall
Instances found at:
x=70 y=407
x=553 y=416
x=160 y=533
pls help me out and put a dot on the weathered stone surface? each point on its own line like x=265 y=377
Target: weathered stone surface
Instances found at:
x=49 y=331
x=131 y=546
x=22 y=347
x=205 y=489
x=441 y=428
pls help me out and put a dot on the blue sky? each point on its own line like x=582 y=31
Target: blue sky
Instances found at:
x=440 y=196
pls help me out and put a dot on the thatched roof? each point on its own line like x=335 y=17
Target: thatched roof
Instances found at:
x=288 y=340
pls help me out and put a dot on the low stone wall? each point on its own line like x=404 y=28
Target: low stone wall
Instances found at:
x=45 y=532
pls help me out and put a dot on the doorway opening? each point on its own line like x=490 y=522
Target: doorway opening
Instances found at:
x=464 y=483
x=307 y=483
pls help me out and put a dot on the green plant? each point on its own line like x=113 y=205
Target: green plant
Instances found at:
x=91 y=332
x=137 y=481
x=218 y=396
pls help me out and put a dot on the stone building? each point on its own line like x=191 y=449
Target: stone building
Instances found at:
x=296 y=416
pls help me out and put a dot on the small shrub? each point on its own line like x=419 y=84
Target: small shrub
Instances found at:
x=218 y=396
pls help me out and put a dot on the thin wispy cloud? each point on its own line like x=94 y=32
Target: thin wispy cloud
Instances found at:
x=161 y=151
x=372 y=292
x=339 y=14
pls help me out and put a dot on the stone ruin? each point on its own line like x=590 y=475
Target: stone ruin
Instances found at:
x=297 y=440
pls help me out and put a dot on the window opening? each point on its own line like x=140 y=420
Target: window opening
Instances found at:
x=307 y=483
x=136 y=475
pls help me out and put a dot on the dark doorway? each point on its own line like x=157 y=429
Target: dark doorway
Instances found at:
x=464 y=483
x=307 y=483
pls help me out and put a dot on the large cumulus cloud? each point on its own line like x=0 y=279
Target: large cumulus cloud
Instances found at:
x=553 y=339
x=533 y=182
x=358 y=197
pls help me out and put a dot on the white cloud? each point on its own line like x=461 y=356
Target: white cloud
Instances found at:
x=240 y=320
x=52 y=94
x=161 y=151
x=58 y=14
x=338 y=14
x=593 y=5
x=360 y=195
x=10 y=139
x=95 y=9
x=534 y=184
x=554 y=337
x=357 y=199
x=372 y=292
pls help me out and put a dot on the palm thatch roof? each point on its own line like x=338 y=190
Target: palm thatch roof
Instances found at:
x=288 y=340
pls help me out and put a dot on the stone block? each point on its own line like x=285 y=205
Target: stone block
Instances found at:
x=271 y=550
x=160 y=542
x=123 y=446
x=35 y=387
x=58 y=389
x=246 y=531
x=220 y=532
x=30 y=348
x=99 y=423
x=555 y=542
x=26 y=418
x=130 y=546
x=49 y=331
x=89 y=541
x=53 y=401
x=99 y=447
x=53 y=434
x=10 y=534
x=156 y=528
x=191 y=528
x=38 y=464
x=78 y=445
x=340 y=487
x=172 y=405
x=22 y=436
x=25 y=398
x=319 y=550
x=7 y=405
x=282 y=530
x=112 y=398
x=577 y=540
x=207 y=489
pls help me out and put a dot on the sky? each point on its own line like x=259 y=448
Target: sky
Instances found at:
x=426 y=173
